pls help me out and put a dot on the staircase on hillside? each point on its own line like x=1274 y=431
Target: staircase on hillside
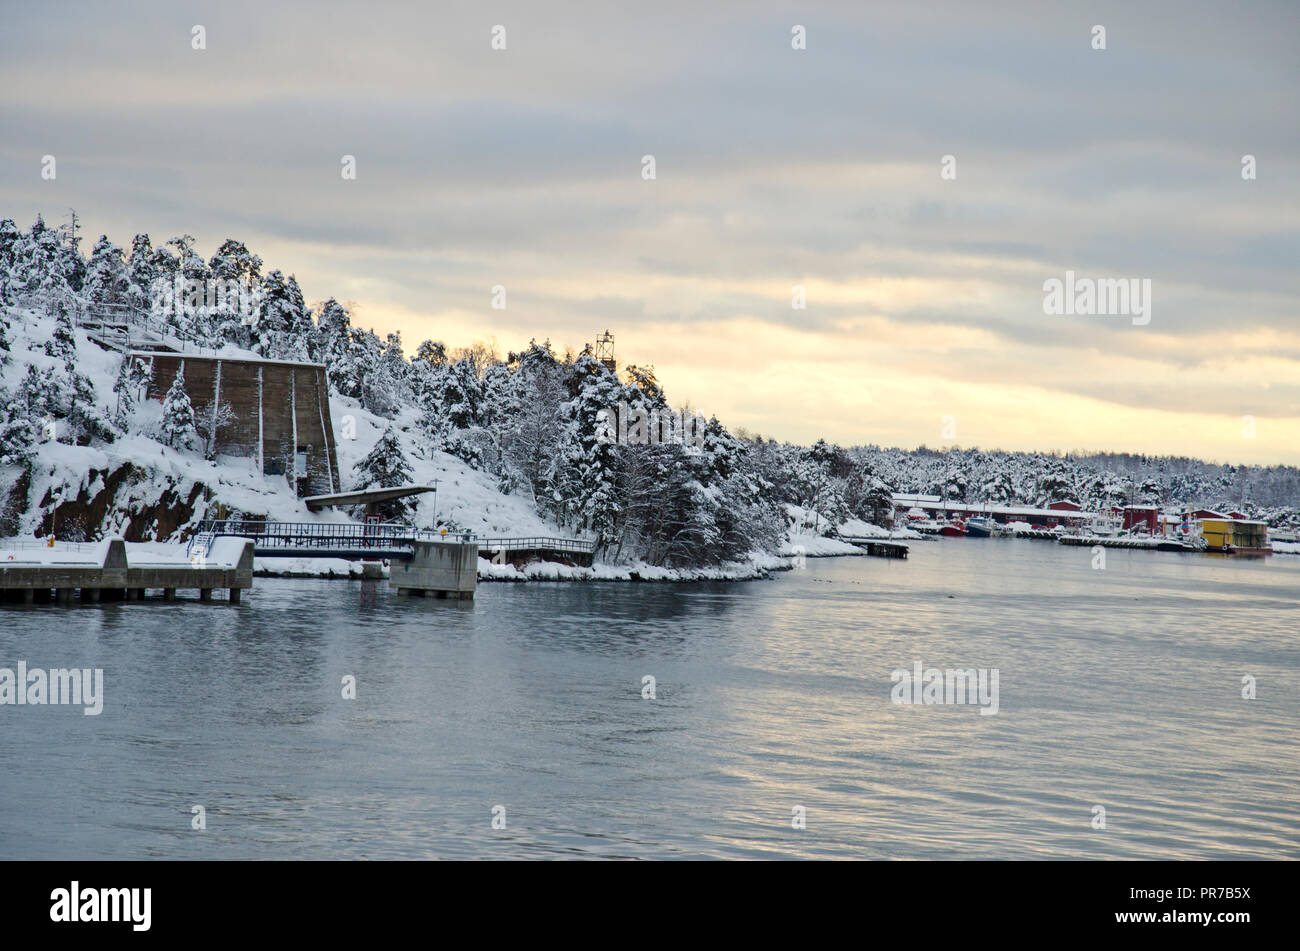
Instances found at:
x=124 y=328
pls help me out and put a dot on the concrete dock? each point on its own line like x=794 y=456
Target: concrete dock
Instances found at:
x=104 y=571
x=877 y=547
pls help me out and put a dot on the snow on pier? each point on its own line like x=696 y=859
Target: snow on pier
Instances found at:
x=114 y=570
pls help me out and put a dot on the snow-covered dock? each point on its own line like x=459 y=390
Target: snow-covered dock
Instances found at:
x=1150 y=543
x=877 y=547
x=112 y=570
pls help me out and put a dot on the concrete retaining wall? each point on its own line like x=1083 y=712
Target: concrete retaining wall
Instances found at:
x=267 y=398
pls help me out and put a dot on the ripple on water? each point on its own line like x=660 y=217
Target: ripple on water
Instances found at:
x=772 y=697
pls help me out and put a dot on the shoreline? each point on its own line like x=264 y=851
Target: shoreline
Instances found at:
x=759 y=567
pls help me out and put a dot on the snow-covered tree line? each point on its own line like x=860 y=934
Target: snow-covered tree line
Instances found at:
x=536 y=420
x=834 y=482
x=540 y=423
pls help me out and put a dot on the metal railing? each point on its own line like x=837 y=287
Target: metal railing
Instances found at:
x=26 y=544
x=111 y=325
x=326 y=535
x=312 y=534
x=537 y=543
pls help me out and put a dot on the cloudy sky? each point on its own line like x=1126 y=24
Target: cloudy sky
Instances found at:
x=774 y=167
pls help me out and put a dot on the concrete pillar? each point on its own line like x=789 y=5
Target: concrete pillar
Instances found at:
x=440 y=567
x=90 y=595
x=169 y=594
x=63 y=595
x=205 y=594
x=234 y=595
x=29 y=595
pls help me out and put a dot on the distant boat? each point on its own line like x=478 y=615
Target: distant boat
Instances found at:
x=953 y=529
x=980 y=526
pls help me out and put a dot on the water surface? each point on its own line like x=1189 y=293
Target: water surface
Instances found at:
x=1120 y=687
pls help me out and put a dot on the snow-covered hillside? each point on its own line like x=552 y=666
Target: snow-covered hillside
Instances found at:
x=466 y=500
x=137 y=476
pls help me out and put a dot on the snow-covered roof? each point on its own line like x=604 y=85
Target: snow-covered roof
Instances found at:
x=227 y=355
x=991 y=508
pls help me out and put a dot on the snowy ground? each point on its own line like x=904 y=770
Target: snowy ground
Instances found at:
x=310 y=568
x=225 y=552
x=758 y=567
x=466 y=498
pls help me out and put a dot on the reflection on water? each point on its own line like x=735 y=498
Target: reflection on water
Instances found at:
x=1119 y=688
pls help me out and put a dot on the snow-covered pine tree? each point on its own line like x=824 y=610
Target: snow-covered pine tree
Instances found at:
x=270 y=324
x=17 y=435
x=192 y=316
x=106 y=275
x=71 y=262
x=377 y=391
x=86 y=421
x=335 y=348
x=141 y=274
x=178 y=414
x=9 y=238
x=385 y=467
x=432 y=421
x=9 y=235
x=238 y=272
x=62 y=344
x=394 y=368
x=587 y=492
x=40 y=274
x=431 y=352
x=460 y=403
x=38 y=393
x=300 y=330
x=124 y=390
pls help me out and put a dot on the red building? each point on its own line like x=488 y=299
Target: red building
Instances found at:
x=1142 y=518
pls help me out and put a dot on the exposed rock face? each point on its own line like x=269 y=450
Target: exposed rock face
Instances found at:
x=127 y=501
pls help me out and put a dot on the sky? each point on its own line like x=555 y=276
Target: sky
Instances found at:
x=821 y=168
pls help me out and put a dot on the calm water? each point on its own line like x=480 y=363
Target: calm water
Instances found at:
x=1119 y=687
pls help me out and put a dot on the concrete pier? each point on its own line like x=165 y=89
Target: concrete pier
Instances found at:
x=446 y=569
x=104 y=573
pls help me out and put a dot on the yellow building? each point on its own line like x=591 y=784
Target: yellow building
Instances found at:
x=1236 y=535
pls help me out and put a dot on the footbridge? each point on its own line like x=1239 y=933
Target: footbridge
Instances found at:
x=374 y=540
